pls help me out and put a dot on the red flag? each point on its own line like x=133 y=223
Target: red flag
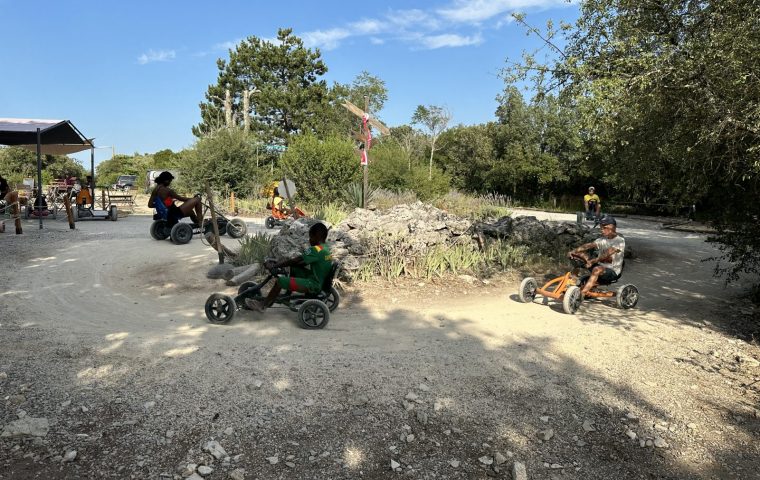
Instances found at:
x=365 y=119
x=364 y=156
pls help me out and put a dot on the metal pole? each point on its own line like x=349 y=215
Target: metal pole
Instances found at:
x=39 y=176
x=92 y=174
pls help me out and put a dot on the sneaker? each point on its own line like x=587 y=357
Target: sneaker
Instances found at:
x=254 y=305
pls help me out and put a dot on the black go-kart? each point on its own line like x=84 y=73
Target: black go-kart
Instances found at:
x=313 y=308
x=168 y=226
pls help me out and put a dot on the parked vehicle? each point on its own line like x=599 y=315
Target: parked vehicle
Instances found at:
x=125 y=182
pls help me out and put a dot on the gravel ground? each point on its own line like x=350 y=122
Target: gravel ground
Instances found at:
x=103 y=335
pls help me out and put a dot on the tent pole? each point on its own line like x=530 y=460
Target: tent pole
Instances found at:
x=39 y=176
x=92 y=174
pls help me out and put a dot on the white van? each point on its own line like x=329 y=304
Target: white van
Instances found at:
x=150 y=181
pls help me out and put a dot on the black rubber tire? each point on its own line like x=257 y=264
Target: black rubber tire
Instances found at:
x=220 y=308
x=75 y=212
x=208 y=227
x=182 y=233
x=627 y=296
x=527 y=291
x=313 y=314
x=113 y=213
x=252 y=294
x=28 y=210
x=572 y=299
x=333 y=299
x=236 y=228
x=269 y=223
x=158 y=230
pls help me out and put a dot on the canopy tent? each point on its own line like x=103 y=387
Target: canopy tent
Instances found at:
x=46 y=137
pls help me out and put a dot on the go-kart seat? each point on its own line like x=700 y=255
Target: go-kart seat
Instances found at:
x=328 y=283
x=162 y=213
x=601 y=282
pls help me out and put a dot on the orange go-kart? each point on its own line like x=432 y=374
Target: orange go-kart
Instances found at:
x=278 y=217
x=567 y=288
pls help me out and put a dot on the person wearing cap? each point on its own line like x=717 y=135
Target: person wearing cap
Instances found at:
x=190 y=206
x=592 y=204
x=610 y=247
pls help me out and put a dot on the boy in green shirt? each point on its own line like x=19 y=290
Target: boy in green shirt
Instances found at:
x=307 y=273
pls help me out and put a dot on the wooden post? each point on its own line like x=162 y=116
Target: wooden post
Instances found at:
x=16 y=212
x=232 y=202
x=102 y=198
x=365 y=185
x=69 y=213
x=217 y=242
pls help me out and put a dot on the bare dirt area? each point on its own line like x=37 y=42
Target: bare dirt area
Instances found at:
x=103 y=335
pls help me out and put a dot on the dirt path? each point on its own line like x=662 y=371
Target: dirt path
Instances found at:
x=102 y=332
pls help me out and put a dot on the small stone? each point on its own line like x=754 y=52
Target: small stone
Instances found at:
x=692 y=426
x=437 y=406
x=228 y=431
x=556 y=466
x=273 y=460
x=290 y=464
x=85 y=409
x=454 y=463
x=411 y=396
x=149 y=405
x=70 y=456
x=519 y=472
x=631 y=416
x=237 y=474
x=546 y=435
x=649 y=443
x=27 y=426
x=588 y=426
x=3 y=376
x=170 y=434
x=660 y=443
x=194 y=476
x=394 y=465
x=544 y=419
x=580 y=443
x=205 y=470
x=215 y=449
x=65 y=404
x=423 y=387
x=408 y=406
x=309 y=402
x=499 y=458
x=258 y=384
x=422 y=417
x=631 y=434
x=642 y=443
x=410 y=438
x=486 y=460
x=447 y=432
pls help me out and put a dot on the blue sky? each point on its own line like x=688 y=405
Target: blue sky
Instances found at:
x=131 y=73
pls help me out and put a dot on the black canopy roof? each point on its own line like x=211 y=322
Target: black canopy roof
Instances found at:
x=56 y=136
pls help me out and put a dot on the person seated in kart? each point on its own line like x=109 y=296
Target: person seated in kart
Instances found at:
x=191 y=207
x=608 y=264
x=592 y=204
x=307 y=271
x=279 y=206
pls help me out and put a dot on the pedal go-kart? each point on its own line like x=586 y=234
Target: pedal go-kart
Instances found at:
x=278 y=217
x=169 y=226
x=567 y=289
x=313 y=308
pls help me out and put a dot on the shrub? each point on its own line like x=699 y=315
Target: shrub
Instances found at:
x=254 y=249
x=429 y=188
x=331 y=213
x=352 y=194
x=320 y=169
x=385 y=199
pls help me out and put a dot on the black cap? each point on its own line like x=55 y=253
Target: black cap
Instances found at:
x=608 y=220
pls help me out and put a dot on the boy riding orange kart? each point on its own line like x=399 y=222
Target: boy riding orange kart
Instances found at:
x=281 y=211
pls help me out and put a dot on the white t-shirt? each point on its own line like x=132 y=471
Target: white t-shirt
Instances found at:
x=602 y=244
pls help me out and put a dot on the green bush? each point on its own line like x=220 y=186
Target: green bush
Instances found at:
x=254 y=249
x=385 y=199
x=321 y=169
x=389 y=167
x=331 y=213
x=428 y=188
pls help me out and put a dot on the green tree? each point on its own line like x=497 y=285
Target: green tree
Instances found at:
x=321 y=169
x=435 y=119
x=283 y=83
x=469 y=156
x=389 y=168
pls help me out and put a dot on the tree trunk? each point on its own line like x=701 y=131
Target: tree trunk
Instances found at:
x=246 y=108
x=430 y=170
x=228 y=107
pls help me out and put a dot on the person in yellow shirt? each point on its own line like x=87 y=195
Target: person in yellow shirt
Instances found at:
x=592 y=204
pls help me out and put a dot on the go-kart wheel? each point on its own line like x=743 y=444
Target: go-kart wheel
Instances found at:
x=74 y=212
x=28 y=210
x=527 y=291
x=571 y=302
x=220 y=308
x=113 y=213
x=270 y=223
x=236 y=228
x=182 y=233
x=208 y=227
x=627 y=296
x=159 y=230
x=333 y=299
x=252 y=294
x=313 y=314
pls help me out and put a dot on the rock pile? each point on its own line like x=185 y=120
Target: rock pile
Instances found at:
x=422 y=227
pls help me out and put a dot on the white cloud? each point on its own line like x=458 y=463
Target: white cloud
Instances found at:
x=450 y=40
x=376 y=41
x=325 y=39
x=414 y=18
x=368 y=27
x=475 y=11
x=156 y=56
x=228 y=45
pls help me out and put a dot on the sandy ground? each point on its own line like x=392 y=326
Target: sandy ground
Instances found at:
x=102 y=332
